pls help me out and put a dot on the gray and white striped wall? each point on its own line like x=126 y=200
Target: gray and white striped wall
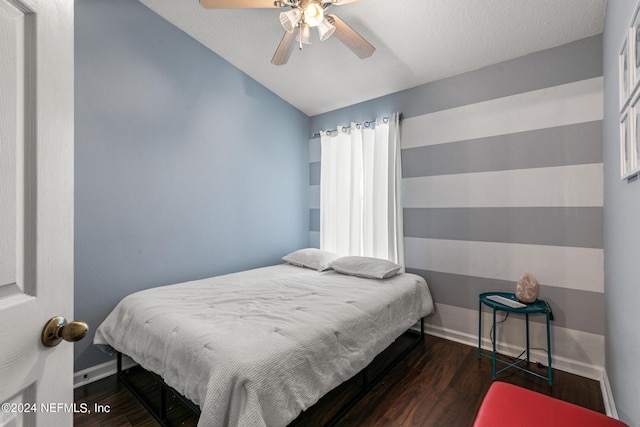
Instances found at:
x=505 y=181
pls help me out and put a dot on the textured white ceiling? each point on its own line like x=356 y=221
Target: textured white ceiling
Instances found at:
x=417 y=41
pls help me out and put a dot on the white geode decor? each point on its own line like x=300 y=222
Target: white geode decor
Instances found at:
x=527 y=289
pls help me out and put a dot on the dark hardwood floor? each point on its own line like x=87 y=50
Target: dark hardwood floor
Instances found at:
x=440 y=383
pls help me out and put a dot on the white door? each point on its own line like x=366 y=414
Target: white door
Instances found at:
x=36 y=209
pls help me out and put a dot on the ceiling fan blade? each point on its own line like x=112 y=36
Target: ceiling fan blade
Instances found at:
x=237 y=4
x=285 y=48
x=351 y=38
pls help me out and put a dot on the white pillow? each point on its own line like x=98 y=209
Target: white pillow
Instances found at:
x=372 y=268
x=311 y=258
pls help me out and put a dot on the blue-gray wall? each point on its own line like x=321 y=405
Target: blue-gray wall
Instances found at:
x=622 y=235
x=184 y=166
x=502 y=174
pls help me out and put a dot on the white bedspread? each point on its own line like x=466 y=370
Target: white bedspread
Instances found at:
x=258 y=347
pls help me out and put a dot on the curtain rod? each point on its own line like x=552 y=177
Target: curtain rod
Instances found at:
x=366 y=124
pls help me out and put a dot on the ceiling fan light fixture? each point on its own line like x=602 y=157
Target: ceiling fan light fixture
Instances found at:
x=304 y=35
x=313 y=14
x=325 y=29
x=289 y=20
x=297 y=18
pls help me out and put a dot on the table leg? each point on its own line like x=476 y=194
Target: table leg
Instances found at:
x=495 y=340
x=549 y=350
x=479 y=329
x=526 y=316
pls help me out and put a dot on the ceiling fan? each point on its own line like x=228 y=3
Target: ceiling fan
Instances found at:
x=298 y=21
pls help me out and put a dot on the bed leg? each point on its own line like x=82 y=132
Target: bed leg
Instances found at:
x=422 y=328
x=118 y=362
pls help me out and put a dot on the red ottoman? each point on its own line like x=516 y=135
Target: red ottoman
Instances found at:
x=511 y=406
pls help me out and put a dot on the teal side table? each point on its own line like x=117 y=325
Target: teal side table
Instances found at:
x=536 y=307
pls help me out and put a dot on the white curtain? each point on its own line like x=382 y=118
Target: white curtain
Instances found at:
x=360 y=190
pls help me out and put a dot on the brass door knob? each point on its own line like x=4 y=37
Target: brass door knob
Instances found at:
x=57 y=329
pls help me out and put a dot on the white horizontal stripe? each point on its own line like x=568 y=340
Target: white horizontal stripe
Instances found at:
x=561 y=186
x=573 y=351
x=314 y=197
x=559 y=266
x=571 y=103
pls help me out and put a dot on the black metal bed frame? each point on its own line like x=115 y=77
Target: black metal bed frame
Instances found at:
x=161 y=415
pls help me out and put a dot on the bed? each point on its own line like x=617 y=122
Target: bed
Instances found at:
x=256 y=348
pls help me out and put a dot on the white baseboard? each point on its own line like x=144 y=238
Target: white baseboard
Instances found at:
x=607 y=396
x=101 y=371
x=558 y=362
